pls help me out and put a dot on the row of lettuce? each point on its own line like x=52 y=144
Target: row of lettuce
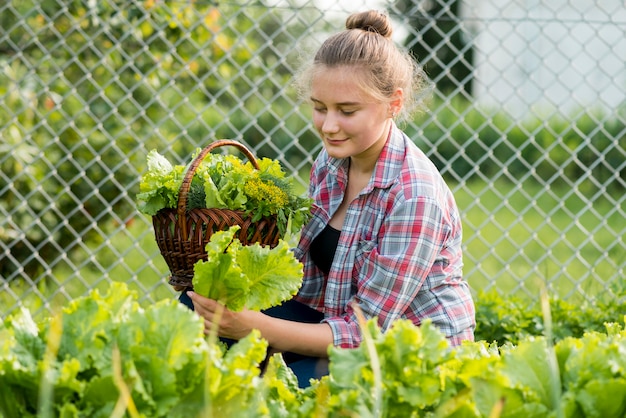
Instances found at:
x=106 y=355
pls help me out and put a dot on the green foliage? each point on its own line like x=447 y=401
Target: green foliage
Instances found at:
x=407 y=356
x=226 y=182
x=103 y=346
x=160 y=349
x=252 y=276
x=129 y=76
x=470 y=142
x=510 y=319
x=105 y=355
x=423 y=377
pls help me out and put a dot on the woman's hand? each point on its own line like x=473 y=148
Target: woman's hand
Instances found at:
x=234 y=325
x=281 y=334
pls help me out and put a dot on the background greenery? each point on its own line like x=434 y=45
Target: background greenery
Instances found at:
x=101 y=83
x=139 y=262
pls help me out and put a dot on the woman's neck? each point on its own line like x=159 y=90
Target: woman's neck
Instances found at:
x=363 y=164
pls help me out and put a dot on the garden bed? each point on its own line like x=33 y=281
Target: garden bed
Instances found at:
x=106 y=355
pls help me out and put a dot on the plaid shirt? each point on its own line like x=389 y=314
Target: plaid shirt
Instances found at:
x=399 y=253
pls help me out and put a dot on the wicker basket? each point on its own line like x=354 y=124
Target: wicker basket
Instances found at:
x=182 y=234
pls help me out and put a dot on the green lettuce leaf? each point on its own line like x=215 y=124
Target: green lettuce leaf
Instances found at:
x=213 y=198
x=251 y=276
x=219 y=277
x=274 y=274
x=159 y=186
x=234 y=387
x=283 y=396
x=528 y=370
x=225 y=182
x=158 y=163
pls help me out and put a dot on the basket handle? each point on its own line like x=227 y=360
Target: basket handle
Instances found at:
x=186 y=185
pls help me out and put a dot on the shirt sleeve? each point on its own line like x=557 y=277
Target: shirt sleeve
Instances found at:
x=392 y=269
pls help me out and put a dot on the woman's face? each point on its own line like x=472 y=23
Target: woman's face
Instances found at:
x=350 y=122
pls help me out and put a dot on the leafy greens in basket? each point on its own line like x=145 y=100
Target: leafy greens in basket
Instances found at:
x=225 y=182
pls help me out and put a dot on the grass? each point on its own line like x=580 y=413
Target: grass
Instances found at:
x=516 y=240
x=129 y=254
x=519 y=239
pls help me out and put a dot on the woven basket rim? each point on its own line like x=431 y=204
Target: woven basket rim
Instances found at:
x=186 y=184
x=172 y=225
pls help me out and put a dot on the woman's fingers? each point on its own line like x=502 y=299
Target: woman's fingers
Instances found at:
x=206 y=302
x=217 y=317
x=208 y=325
x=209 y=309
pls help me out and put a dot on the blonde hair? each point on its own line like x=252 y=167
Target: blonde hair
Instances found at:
x=366 y=45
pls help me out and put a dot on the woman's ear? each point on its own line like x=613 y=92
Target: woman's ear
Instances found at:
x=396 y=102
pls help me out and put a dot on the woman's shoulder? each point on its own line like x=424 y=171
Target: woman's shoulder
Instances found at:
x=411 y=159
x=418 y=176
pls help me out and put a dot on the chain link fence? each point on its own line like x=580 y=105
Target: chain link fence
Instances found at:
x=527 y=122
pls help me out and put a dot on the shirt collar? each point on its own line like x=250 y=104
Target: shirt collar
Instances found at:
x=391 y=159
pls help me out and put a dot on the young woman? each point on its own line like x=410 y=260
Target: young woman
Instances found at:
x=386 y=233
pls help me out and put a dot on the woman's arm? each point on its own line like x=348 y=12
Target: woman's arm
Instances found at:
x=281 y=334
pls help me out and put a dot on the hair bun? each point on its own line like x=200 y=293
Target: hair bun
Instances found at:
x=370 y=21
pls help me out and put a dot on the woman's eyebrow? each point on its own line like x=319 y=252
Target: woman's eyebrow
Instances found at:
x=313 y=99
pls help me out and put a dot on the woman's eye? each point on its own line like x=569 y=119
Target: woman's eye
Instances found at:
x=319 y=109
x=348 y=112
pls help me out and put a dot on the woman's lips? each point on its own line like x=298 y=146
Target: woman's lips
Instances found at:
x=335 y=141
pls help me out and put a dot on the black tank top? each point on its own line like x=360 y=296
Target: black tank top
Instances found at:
x=323 y=248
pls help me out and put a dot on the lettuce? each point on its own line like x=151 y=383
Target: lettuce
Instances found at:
x=162 y=353
x=165 y=362
x=159 y=186
x=225 y=182
x=247 y=276
x=170 y=369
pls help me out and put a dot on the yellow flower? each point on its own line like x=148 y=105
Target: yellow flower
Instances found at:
x=266 y=191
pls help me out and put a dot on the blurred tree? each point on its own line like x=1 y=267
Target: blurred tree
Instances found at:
x=89 y=87
x=437 y=39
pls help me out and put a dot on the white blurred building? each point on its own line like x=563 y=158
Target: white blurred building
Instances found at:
x=546 y=55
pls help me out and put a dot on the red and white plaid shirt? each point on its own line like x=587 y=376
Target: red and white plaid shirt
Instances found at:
x=399 y=254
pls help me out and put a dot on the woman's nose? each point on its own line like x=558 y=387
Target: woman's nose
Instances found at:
x=331 y=123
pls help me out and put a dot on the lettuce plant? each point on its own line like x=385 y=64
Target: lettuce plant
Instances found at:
x=252 y=276
x=226 y=182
